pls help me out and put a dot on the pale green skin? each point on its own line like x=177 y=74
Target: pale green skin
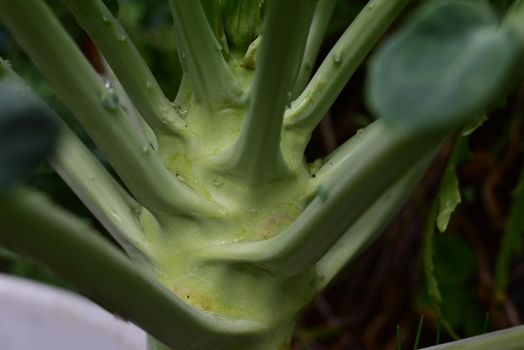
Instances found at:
x=229 y=219
x=247 y=213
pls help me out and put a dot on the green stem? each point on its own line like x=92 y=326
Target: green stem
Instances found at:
x=333 y=162
x=319 y=26
x=201 y=56
x=34 y=226
x=342 y=61
x=134 y=116
x=82 y=90
x=101 y=194
x=507 y=339
x=90 y=181
x=127 y=63
x=384 y=154
x=372 y=222
x=257 y=154
x=214 y=13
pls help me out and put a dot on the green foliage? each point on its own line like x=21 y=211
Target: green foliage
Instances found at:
x=243 y=21
x=512 y=239
x=453 y=296
x=449 y=63
x=27 y=135
x=448 y=195
x=455 y=268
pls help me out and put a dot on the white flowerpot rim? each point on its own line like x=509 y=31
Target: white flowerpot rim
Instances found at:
x=36 y=316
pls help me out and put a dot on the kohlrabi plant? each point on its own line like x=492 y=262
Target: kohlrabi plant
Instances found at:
x=228 y=231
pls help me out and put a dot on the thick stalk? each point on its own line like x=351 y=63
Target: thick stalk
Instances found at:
x=317 y=31
x=33 y=226
x=201 y=56
x=127 y=63
x=257 y=154
x=342 y=61
x=91 y=182
x=384 y=154
x=82 y=90
x=134 y=116
x=372 y=222
x=101 y=194
x=335 y=161
x=506 y=339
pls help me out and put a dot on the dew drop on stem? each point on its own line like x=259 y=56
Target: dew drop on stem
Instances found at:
x=337 y=58
x=109 y=97
x=322 y=192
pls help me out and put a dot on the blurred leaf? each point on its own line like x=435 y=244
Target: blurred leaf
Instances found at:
x=448 y=193
x=27 y=135
x=474 y=124
x=512 y=239
x=452 y=263
x=455 y=266
x=448 y=197
x=447 y=64
x=429 y=265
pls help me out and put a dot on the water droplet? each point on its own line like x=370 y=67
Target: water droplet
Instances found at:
x=109 y=97
x=217 y=181
x=337 y=58
x=121 y=37
x=110 y=102
x=149 y=84
x=146 y=149
x=322 y=192
x=360 y=132
x=370 y=6
x=105 y=19
x=107 y=83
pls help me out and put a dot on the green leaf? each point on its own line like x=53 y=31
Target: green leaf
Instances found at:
x=27 y=135
x=431 y=267
x=448 y=198
x=113 y=6
x=512 y=239
x=448 y=64
x=242 y=21
x=448 y=194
